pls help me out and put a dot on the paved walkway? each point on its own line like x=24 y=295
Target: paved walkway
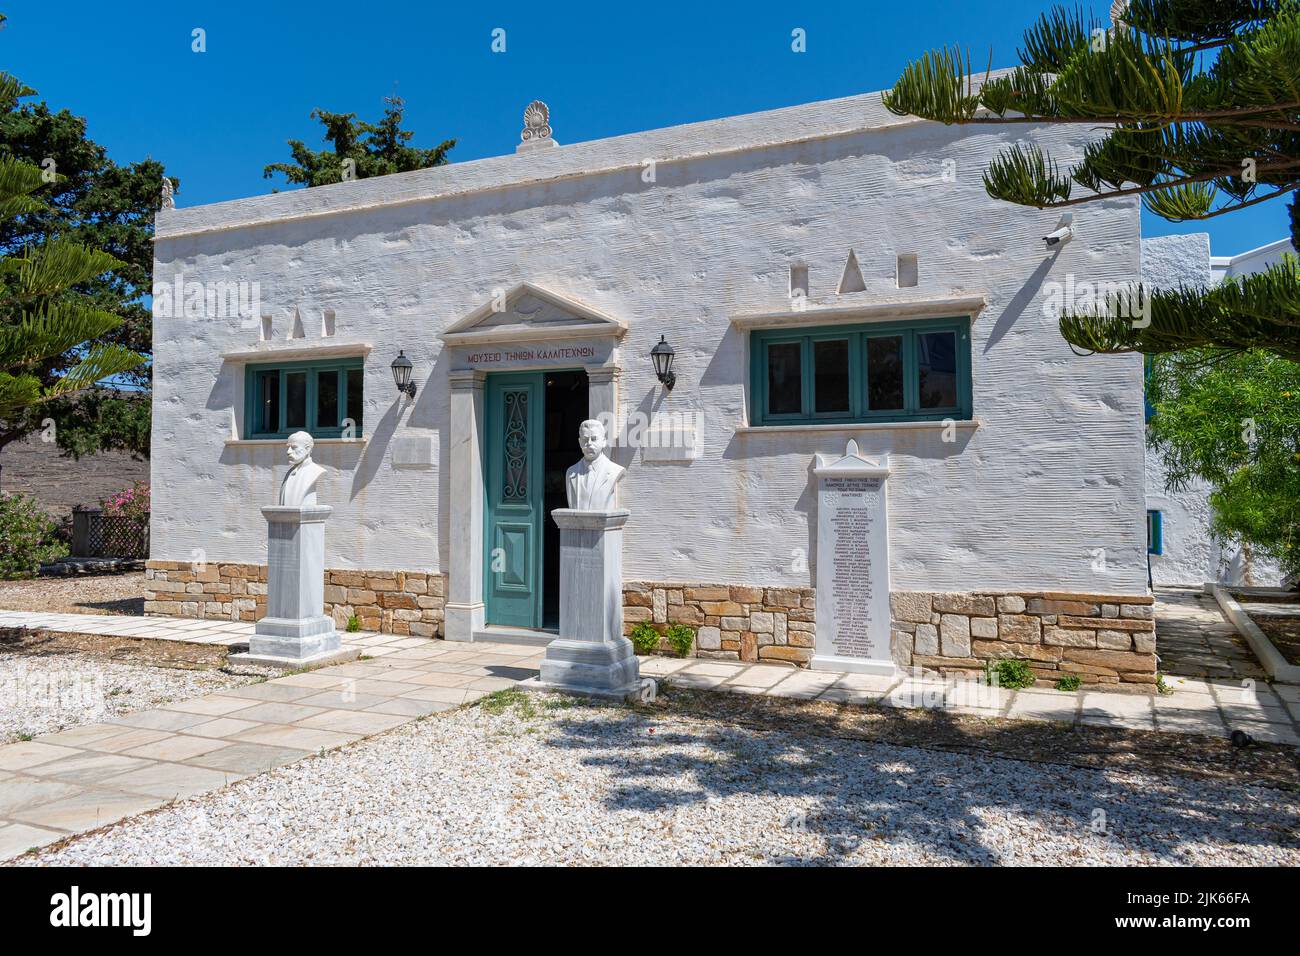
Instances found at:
x=86 y=777
x=1214 y=707
x=1194 y=639
x=89 y=776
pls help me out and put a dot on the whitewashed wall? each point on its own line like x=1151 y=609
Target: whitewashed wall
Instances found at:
x=1046 y=493
x=1191 y=555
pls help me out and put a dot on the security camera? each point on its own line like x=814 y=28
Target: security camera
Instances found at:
x=1062 y=234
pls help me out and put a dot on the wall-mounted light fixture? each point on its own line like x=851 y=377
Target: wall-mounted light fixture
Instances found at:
x=402 y=374
x=662 y=355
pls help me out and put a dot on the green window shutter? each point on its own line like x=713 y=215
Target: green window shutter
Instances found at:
x=315 y=397
x=878 y=353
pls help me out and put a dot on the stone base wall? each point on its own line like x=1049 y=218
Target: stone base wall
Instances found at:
x=392 y=602
x=1100 y=638
x=731 y=622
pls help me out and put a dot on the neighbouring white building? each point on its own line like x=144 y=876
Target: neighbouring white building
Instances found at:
x=823 y=273
x=1182 y=550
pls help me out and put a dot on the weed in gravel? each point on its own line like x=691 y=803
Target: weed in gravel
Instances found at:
x=499 y=701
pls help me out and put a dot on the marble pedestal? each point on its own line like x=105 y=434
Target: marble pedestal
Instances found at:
x=591 y=656
x=295 y=631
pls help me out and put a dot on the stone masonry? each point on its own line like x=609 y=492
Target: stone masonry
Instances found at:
x=1103 y=639
x=391 y=602
x=1100 y=638
x=732 y=622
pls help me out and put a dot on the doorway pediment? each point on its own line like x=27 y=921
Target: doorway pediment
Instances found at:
x=529 y=313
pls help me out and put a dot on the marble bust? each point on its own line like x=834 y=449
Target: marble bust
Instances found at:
x=592 y=484
x=299 y=486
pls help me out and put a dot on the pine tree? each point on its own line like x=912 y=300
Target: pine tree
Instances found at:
x=373 y=149
x=1199 y=101
x=45 y=321
x=88 y=199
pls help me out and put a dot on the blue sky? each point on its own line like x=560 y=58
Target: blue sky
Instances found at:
x=216 y=118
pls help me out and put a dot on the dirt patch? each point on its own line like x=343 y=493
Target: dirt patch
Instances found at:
x=1283 y=633
x=1110 y=748
x=122 y=650
x=92 y=594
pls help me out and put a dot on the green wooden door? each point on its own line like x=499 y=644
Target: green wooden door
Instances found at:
x=514 y=513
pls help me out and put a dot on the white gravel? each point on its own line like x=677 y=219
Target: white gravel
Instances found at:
x=587 y=785
x=43 y=694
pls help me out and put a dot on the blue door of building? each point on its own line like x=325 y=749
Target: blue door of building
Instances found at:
x=514 y=451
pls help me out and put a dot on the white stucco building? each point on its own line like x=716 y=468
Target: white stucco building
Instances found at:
x=823 y=272
x=1182 y=549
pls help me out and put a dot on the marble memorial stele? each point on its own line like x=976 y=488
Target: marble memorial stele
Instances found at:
x=591 y=656
x=852 y=570
x=295 y=630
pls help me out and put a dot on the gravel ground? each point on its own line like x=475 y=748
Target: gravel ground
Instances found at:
x=548 y=781
x=41 y=693
x=88 y=594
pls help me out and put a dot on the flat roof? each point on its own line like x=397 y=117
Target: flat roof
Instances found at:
x=809 y=122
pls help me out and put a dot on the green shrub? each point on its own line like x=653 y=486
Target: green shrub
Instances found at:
x=645 y=639
x=29 y=537
x=1012 y=674
x=681 y=638
x=1071 y=682
x=354 y=624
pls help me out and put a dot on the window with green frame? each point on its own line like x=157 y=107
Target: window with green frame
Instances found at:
x=314 y=397
x=881 y=371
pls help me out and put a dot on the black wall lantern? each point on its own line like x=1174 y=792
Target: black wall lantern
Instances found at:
x=662 y=355
x=402 y=374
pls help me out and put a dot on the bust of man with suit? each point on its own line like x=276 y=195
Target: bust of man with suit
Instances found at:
x=298 y=489
x=592 y=484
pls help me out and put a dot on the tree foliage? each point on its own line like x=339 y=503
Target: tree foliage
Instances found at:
x=85 y=199
x=375 y=149
x=1233 y=419
x=1198 y=104
x=44 y=318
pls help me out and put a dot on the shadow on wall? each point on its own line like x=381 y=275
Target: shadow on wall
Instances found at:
x=379 y=437
x=1019 y=302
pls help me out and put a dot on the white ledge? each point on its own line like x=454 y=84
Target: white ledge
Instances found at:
x=962 y=424
x=281 y=441
x=868 y=309
x=292 y=349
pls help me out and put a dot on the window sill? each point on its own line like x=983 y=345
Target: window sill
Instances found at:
x=961 y=424
x=283 y=441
